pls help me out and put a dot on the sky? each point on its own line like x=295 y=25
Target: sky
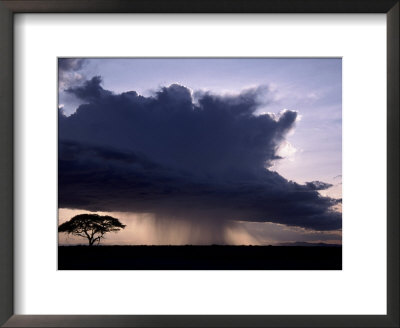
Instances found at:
x=203 y=151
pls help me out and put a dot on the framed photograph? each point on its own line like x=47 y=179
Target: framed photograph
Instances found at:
x=199 y=164
x=184 y=176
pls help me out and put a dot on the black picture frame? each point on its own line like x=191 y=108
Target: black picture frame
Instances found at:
x=10 y=7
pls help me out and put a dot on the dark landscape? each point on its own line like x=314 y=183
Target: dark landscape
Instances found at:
x=189 y=257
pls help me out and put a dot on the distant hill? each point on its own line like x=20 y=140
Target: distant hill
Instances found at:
x=304 y=243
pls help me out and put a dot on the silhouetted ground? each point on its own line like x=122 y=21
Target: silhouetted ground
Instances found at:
x=199 y=258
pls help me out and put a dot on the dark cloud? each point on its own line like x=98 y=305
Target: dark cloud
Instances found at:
x=318 y=185
x=203 y=161
x=70 y=64
x=70 y=72
x=90 y=91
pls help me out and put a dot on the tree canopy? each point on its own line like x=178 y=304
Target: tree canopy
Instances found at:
x=91 y=226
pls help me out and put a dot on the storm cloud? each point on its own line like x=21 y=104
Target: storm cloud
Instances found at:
x=69 y=71
x=198 y=158
x=70 y=64
x=318 y=185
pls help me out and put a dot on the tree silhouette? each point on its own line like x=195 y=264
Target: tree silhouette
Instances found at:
x=91 y=226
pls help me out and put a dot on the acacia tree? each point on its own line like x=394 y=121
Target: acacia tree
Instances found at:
x=91 y=226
